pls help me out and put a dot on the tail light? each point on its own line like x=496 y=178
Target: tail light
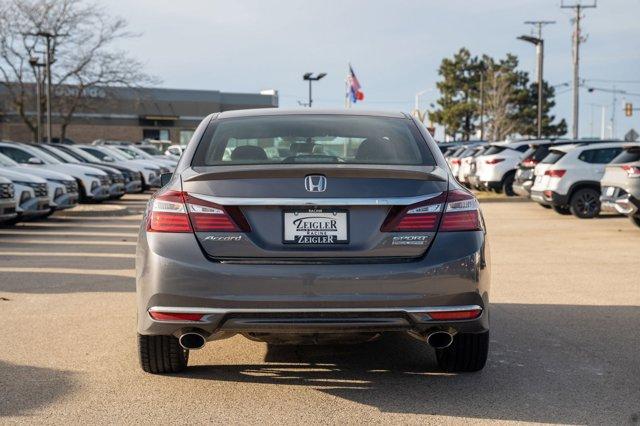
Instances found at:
x=176 y=211
x=530 y=162
x=555 y=173
x=632 y=171
x=455 y=161
x=456 y=210
x=494 y=160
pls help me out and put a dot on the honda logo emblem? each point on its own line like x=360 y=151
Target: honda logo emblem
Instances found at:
x=315 y=183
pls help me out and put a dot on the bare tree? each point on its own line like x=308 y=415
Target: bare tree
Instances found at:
x=82 y=50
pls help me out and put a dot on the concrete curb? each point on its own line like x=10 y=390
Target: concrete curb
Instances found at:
x=504 y=200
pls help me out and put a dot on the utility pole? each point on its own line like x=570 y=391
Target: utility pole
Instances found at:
x=539 y=43
x=482 y=103
x=577 y=39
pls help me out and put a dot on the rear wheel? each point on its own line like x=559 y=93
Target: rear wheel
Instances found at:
x=635 y=220
x=467 y=353
x=563 y=210
x=161 y=354
x=585 y=203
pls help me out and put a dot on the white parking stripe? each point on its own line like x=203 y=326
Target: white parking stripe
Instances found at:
x=71 y=242
x=126 y=273
x=67 y=254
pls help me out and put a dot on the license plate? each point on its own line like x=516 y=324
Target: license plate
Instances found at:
x=316 y=226
x=527 y=174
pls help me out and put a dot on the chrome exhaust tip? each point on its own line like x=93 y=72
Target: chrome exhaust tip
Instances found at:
x=440 y=339
x=192 y=340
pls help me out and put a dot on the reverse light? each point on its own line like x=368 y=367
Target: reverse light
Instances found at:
x=632 y=171
x=494 y=161
x=555 y=173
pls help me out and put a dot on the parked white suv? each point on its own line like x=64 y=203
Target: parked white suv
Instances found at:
x=94 y=184
x=568 y=178
x=496 y=167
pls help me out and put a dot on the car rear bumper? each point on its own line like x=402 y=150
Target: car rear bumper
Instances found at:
x=549 y=198
x=172 y=272
x=491 y=185
x=523 y=188
x=626 y=204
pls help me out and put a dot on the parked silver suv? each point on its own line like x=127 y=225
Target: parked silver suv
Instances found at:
x=308 y=227
x=621 y=184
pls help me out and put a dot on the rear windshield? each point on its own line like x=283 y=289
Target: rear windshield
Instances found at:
x=494 y=150
x=627 y=156
x=553 y=157
x=312 y=139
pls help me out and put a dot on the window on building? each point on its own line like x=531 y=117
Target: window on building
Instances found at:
x=185 y=136
x=156 y=134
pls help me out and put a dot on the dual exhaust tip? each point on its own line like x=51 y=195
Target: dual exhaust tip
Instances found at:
x=195 y=340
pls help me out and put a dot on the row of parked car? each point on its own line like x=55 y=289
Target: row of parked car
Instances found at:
x=38 y=179
x=579 y=177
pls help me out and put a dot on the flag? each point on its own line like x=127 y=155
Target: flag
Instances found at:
x=355 y=93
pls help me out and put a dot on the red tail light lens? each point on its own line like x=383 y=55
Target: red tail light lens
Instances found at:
x=632 y=171
x=455 y=161
x=168 y=213
x=530 y=162
x=555 y=173
x=455 y=315
x=461 y=213
x=175 y=211
x=174 y=316
x=494 y=160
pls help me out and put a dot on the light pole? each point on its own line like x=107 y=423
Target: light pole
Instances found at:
x=36 y=65
x=311 y=78
x=539 y=43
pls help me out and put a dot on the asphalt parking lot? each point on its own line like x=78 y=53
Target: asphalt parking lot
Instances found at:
x=565 y=338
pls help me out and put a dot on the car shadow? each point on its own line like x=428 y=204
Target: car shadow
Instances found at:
x=548 y=363
x=24 y=388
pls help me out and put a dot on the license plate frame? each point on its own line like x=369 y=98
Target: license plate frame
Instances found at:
x=315 y=236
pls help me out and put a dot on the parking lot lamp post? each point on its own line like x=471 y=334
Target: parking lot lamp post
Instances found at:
x=311 y=78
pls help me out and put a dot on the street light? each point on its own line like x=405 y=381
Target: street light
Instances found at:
x=539 y=43
x=311 y=78
x=36 y=65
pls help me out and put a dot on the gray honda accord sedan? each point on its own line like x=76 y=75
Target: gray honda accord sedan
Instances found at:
x=312 y=227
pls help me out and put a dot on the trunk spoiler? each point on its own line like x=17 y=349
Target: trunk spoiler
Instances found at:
x=367 y=171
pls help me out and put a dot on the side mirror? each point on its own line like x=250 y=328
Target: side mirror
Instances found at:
x=35 y=161
x=165 y=178
x=108 y=159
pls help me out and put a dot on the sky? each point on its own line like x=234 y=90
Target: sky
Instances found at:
x=395 y=47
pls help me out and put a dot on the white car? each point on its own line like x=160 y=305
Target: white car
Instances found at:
x=467 y=160
x=31 y=194
x=93 y=183
x=175 y=150
x=150 y=171
x=568 y=178
x=8 y=201
x=62 y=188
x=496 y=167
x=139 y=154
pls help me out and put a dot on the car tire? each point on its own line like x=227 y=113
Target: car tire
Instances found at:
x=545 y=206
x=635 y=220
x=467 y=353
x=507 y=185
x=161 y=354
x=585 y=203
x=563 y=210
